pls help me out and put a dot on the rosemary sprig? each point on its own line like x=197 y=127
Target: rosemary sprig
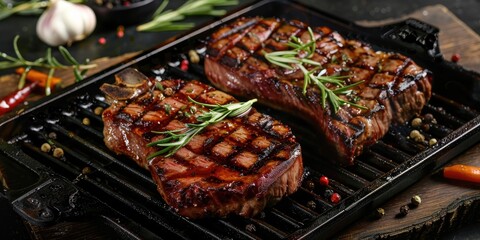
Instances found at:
x=176 y=139
x=28 y=7
x=166 y=20
x=299 y=57
x=48 y=62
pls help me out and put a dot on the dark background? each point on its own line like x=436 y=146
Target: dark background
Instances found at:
x=352 y=10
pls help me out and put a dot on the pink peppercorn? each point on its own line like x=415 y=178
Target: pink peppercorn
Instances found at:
x=335 y=198
x=324 y=181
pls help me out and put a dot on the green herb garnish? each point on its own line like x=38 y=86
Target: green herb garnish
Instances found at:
x=48 y=62
x=299 y=57
x=176 y=139
x=168 y=20
x=22 y=7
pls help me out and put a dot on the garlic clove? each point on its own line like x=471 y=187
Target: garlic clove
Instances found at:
x=64 y=22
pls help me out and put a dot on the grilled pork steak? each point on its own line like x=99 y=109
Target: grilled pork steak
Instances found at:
x=394 y=88
x=237 y=166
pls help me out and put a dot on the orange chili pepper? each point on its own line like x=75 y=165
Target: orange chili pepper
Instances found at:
x=462 y=172
x=40 y=77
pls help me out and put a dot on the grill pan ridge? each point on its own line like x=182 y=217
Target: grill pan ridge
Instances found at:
x=92 y=183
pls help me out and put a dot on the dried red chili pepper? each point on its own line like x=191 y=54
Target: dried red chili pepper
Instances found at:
x=13 y=99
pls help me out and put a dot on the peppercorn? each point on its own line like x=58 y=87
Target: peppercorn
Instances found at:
x=102 y=41
x=380 y=212
x=455 y=57
x=311 y=204
x=184 y=65
x=417 y=136
x=58 y=152
x=86 y=121
x=416 y=122
x=52 y=135
x=428 y=118
x=98 y=110
x=324 y=181
x=404 y=210
x=194 y=58
x=328 y=193
x=46 y=147
x=416 y=200
x=310 y=185
x=86 y=170
x=335 y=198
x=432 y=142
x=426 y=127
x=120 y=31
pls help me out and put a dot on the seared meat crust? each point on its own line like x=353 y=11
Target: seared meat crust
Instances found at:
x=237 y=166
x=394 y=89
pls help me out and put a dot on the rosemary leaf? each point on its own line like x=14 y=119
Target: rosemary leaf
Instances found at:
x=164 y=20
x=301 y=55
x=176 y=139
x=49 y=63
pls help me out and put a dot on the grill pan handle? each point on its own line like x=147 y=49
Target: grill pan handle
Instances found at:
x=413 y=34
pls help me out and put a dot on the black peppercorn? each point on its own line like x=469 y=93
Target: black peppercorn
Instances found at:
x=311 y=204
x=310 y=185
x=328 y=193
x=404 y=210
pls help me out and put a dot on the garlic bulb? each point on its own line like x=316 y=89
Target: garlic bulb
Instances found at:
x=65 y=22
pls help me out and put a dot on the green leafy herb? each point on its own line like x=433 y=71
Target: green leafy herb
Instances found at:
x=299 y=57
x=28 y=7
x=176 y=139
x=48 y=62
x=168 y=20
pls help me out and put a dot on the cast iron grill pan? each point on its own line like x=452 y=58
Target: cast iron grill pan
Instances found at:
x=91 y=183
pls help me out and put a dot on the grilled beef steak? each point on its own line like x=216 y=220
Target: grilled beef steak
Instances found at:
x=236 y=166
x=394 y=89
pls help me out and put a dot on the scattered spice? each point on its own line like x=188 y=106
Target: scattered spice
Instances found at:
x=120 y=31
x=52 y=135
x=328 y=193
x=168 y=108
x=58 y=152
x=335 y=198
x=98 y=110
x=86 y=121
x=46 y=147
x=417 y=136
x=404 y=210
x=310 y=185
x=429 y=118
x=193 y=55
x=86 y=170
x=425 y=127
x=184 y=65
x=416 y=200
x=102 y=41
x=324 y=181
x=312 y=205
x=432 y=142
x=455 y=57
x=380 y=212
x=462 y=172
x=416 y=122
